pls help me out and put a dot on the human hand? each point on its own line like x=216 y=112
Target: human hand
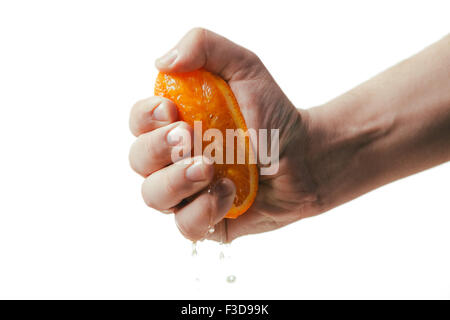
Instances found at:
x=283 y=197
x=378 y=132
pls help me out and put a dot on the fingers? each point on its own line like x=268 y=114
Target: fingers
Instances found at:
x=249 y=223
x=203 y=48
x=156 y=149
x=167 y=187
x=149 y=114
x=196 y=218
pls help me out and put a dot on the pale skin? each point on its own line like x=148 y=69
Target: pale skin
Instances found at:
x=392 y=126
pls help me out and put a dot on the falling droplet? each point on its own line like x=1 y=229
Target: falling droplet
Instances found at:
x=194 y=249
x=222 y=253
x=196 y=262
x=231 y=279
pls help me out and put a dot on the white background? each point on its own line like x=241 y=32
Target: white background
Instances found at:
x=72 y=222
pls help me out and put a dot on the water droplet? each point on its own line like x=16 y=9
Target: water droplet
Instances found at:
x=222 y=253
x=231 y=279
x=194 y=249
x=211 y=230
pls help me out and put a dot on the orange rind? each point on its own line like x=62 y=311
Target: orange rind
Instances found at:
x=203 y=96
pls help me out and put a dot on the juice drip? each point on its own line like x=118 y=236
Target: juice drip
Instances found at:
x=194 y=255
x=194 y=249
x=224 y=255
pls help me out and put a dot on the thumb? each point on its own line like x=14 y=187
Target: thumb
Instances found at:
x=201 y=48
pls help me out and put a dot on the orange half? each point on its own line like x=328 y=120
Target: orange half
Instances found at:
x=203 y=96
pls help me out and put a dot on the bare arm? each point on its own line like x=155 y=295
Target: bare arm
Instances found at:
x=392 y=126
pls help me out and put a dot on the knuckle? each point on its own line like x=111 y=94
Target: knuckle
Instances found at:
x=198 y=32
x=254 y=66
x=199 y=36
x=138 y=113
x=136 y=110
x=144 y=153
x=253 y=57
x=132 y=157
x=147 y=195
x=170 y=185
x=153 y=147
x=135 y=117
x=139 y=104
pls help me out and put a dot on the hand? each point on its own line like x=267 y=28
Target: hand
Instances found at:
x=380 y=131
x=282 y=198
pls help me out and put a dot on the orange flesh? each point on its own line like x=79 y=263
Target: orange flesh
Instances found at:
x=202 y=96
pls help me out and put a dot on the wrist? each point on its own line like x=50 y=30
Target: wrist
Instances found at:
x=342 y=134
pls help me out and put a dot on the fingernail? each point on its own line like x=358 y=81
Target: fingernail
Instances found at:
x=197 y=170
x=168 y=59
x=176 y=135
x=161 y=113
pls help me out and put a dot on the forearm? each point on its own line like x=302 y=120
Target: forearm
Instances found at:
x=392 y=126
